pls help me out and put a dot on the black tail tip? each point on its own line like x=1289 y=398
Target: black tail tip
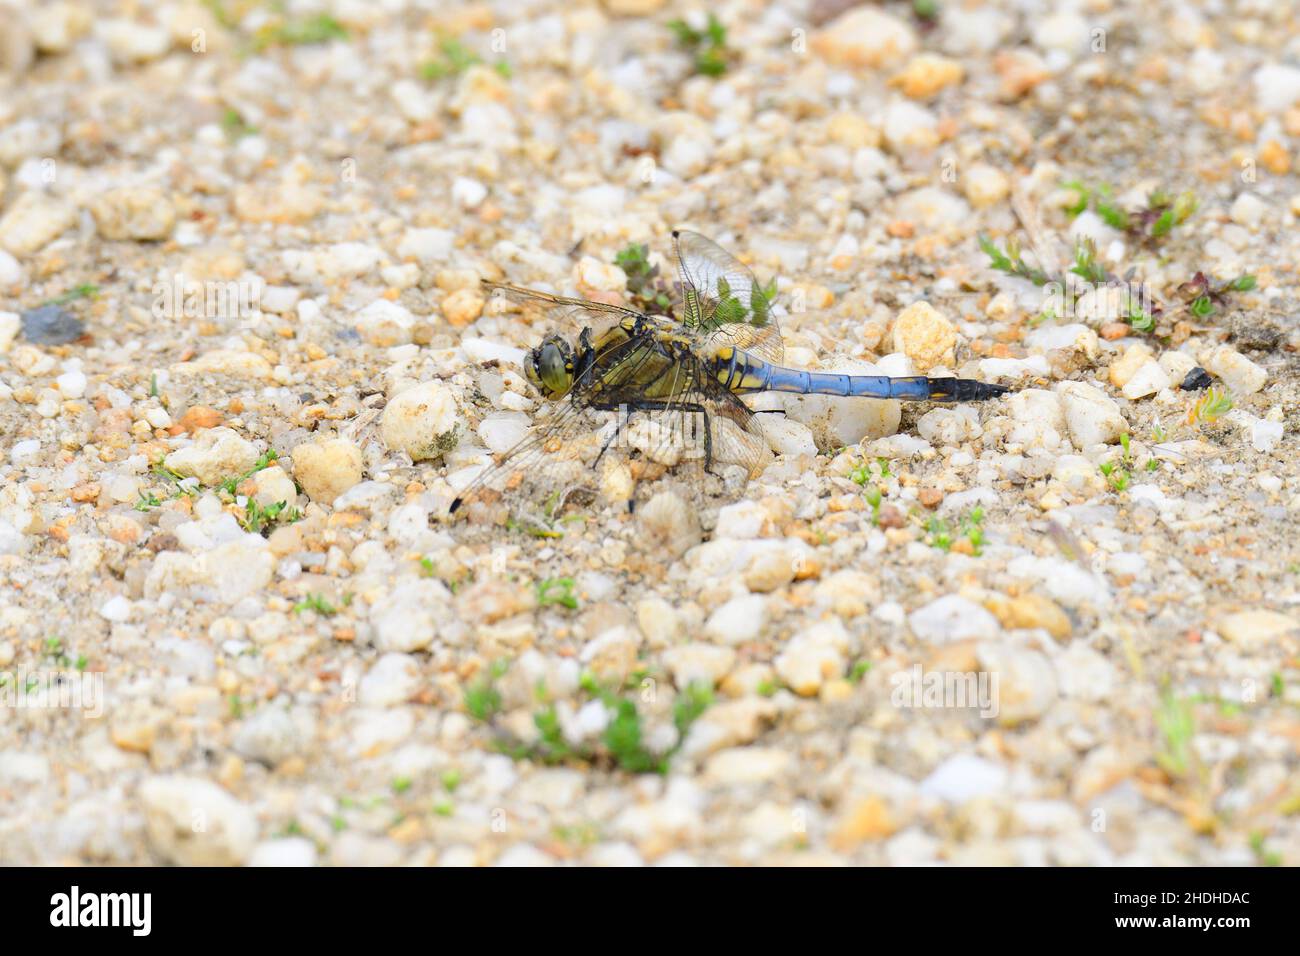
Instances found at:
x=964 y=390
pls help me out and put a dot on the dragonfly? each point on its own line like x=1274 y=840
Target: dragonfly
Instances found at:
x=634 y=395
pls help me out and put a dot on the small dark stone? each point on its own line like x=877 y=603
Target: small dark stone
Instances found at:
x=1196 y=379
x=51 y=325
x=1256 y=333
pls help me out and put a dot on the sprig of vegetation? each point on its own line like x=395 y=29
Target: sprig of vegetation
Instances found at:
x=264 y=460
x=873 y=491
x=1203 y=296
x=454 y=59
x=1086 y=266
x=318 y=28
x=482 y=699
x=623 y=741
x=235 y=126
x=927 y=11
x=1263 y=855
x=874 y=499
x=1176 y=723
x=1120 y=475
x=1157 y=219
x=709 y=45
x=257 y=519
x=649 y=291
x=940 y=534
x=1213 y=404
x=557 y=591
x=1012 y=261
x=85 y=290
x=317 y=603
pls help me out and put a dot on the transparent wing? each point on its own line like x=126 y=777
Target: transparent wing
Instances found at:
x=724 y=304
x=562 y=314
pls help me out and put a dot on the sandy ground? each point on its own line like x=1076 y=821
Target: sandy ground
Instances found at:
x=245 y=367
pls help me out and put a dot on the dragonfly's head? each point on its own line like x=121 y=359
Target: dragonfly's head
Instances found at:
x=549 y=367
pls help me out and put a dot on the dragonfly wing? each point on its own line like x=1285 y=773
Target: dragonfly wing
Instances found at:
x=549 y=300
x=562 y=314
x=724 y=304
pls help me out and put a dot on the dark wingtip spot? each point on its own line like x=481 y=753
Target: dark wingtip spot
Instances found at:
x=454 y=505
x=676 y=233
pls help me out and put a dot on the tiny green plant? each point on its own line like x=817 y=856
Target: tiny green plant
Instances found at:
x=482 y=699
x=1204 y=296
x=264 y=460
x=1139 y=319
x=85 y=290
x=691 y=703
x=648 y=290
x=1012 y=261
x=401 y=784
x=1263 y=855
x=258 y=519
x=235 y=126
x=1119 y=475
x=146 y=501
x=557 y=591
x=859 y=670
x=1158 y=218
x=939 y=534
x=709 y=46
x=623 y=741
x=455 y=58
x=1176 y=724
x=1047 y=315
x=1116 y=476
x=1086 y=266
x=317 y=603
x=942 y=535
x=973 y=529
x=874 y=499
x=1213 y=404
x=318 y=28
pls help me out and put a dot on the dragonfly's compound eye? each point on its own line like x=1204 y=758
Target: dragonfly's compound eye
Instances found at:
x=550 y=367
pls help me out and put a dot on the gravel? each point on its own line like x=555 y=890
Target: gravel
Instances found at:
x=246 y=366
